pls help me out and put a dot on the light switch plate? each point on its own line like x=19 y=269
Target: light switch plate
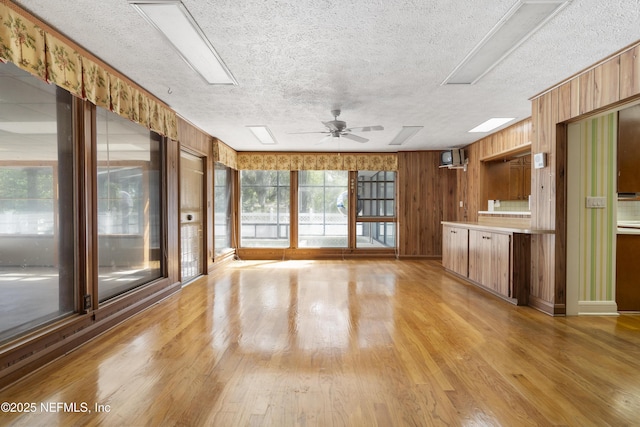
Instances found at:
x=596 y=202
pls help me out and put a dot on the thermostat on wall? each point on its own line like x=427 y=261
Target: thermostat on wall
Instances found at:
x=539 y=160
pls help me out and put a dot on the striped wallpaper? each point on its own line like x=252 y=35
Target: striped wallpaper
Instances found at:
x=597 y=227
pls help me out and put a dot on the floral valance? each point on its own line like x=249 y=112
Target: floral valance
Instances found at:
x=317 y=161
x=224 y=154
x=57 y=61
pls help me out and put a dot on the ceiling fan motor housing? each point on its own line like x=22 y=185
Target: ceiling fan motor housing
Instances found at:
x=339 y=124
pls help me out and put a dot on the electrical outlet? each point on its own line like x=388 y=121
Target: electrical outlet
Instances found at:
x=461 y=204
x=596 y=202
x=87 y=302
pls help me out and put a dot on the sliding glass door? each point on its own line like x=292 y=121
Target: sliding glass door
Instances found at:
x=37 y=210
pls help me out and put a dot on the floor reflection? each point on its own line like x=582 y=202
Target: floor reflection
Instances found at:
x=303 y=309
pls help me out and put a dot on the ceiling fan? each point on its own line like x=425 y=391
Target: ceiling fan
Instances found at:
x=338 y=128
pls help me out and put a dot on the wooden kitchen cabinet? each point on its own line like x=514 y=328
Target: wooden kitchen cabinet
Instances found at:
x=520 y=178
x=495 y=258
x=509 y=180
x=489 y=259
x=455 y=249
x=627 y=272
x=497 y=179
x=629 y=150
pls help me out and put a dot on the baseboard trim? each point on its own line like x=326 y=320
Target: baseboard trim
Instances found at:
x=597 y=308
x=546 y=306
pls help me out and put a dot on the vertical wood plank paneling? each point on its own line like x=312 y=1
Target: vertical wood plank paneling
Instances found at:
x=450 y=202
x=541 y=193
x=564 y=102
x=560 y=217
x=173 y=210
x=422 y=197
x=472 y=200
x=606 y=78
x=535 y=148
x=198 y=141
x=473 y=192
x=612 y=81
x=586 y=92
x=192 y=137
x=575 y=97
x=535 y=282
x=630 y=72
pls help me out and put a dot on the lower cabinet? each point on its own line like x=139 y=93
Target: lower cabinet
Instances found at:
x=497 y=261
x=489 y=256
x=455 y=249
x=627 y=272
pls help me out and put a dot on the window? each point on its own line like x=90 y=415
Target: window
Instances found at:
x=37 y=228
x=376 y=206
x=375 y=234
x=376 y=194
x=264 y=210
x=322 y=214
x=222 y=208
x=129 y=205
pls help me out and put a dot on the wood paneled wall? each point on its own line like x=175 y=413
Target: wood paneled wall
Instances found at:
x=426 y=196
x=509 y=140
x=512 y=139
x=609 y=83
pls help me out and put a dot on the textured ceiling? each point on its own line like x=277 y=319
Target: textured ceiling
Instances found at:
x=381 y=61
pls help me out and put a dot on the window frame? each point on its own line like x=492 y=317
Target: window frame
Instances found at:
x=353 y=220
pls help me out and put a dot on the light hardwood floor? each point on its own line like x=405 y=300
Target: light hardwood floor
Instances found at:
x=357 y=343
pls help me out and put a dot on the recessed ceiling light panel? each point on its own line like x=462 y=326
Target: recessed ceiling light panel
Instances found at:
x=517 y=25
x=263 y=134
x=174 y=21
x=491 y=124
x=406 y=133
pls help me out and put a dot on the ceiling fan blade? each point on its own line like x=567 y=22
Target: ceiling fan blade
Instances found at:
x=300 y=133
x=331 y=126
x=365 y=129
x=355 y=138
x=325 y=139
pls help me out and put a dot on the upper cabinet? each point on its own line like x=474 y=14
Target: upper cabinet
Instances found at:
x=509 y=179
x=520 y=178
x=629 y=150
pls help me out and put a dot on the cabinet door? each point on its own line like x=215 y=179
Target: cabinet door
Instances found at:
x=627 y=272
x=499 y=278
x=455 y=249
x=629 y=150
x=497 y=179
x=461 y=244
x=516 y=181
x=448 y=248
x=476 y=255
x=489 y=260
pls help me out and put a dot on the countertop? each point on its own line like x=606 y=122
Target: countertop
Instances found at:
x=488 y=227
x=628 y=227
x=622 y=230
x=528 y=213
